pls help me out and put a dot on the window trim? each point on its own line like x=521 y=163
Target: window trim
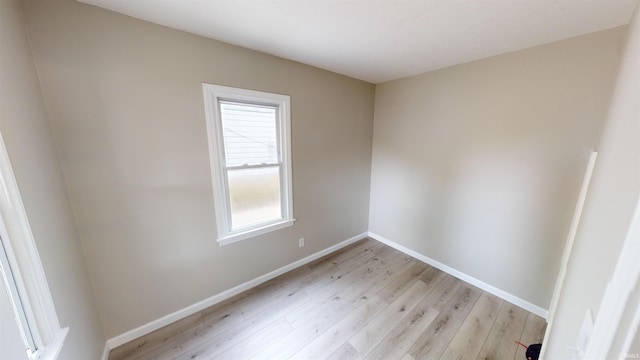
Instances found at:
x=25 y=268
x=213 y=94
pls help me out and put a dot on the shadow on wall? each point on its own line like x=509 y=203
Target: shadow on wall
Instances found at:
x=497 y=207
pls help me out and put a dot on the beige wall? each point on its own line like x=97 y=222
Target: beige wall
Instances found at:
x=613 y=194
x=26 y=130
x=125 y=100
x=478 y=166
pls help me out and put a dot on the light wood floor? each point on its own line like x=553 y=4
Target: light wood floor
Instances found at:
x=365 y=301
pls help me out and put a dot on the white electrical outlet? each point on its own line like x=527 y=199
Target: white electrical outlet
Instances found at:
x=301 y=242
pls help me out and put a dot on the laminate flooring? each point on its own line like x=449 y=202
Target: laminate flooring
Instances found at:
x=364 y=301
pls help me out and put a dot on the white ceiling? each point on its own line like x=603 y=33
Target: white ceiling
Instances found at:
x=381 y=40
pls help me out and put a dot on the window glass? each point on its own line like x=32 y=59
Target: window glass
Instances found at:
x=254 y=195
x=249 y=133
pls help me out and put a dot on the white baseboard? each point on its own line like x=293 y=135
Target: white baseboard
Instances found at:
x=464 y=277
x=199 y=306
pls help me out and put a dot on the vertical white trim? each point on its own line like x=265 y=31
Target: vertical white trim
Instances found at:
x=575 y=222
x=285 y=159
x=215 y=147
x=614 y=302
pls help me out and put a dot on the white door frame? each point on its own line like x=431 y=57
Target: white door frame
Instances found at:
x=615 y=301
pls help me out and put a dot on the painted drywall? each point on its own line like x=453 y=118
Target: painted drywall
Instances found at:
x=27 y=134
x=478 y=166
x=126 y=106
x=611 y=200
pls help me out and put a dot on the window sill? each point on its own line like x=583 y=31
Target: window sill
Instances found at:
x=231 y=238
x=52 y=350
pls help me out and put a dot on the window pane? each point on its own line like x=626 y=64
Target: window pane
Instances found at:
x=16 y=314
x=12 y=339
x=254 y=195
x=249 y=133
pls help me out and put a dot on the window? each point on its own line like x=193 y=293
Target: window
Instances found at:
x=8 y=280
x=22 y=274
x=250 y=151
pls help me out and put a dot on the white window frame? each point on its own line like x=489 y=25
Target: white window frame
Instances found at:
x=213 y=94
x=23 y=272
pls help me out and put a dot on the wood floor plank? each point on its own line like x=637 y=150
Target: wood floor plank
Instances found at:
x=250 y=344
x=506 y=329
x=274 y=301
x=275 y=292
x=345 y=352
x=183 y=342
x=454 y=306
x=533 y=333
x=325 y=270
x=404 y=335
x=355 y=285
x=155 y=339
x=476 y=327
x=344 y=254
x=312 y=327
x=533 y=330
x=393 y=267
x=262 y=301
x=404 y=280
x=221 y=336
x=245 y=305
x=355 y=291
x=450 y=355
x=371 y=335
x=364 y=300
x=332 y=339
x=327 y=279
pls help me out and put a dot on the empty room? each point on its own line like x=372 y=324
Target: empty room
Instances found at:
x=322 y=179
